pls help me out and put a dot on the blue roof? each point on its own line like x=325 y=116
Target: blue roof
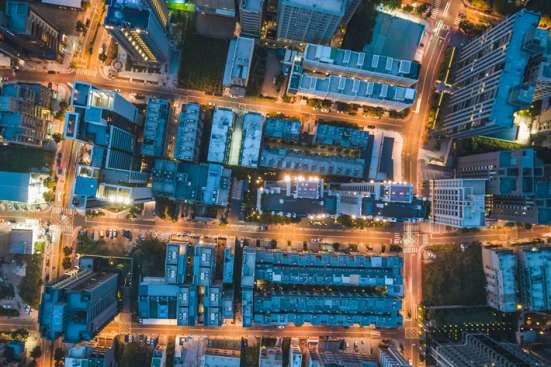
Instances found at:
x=86 y=186
x=17 y=13
x=14 y=186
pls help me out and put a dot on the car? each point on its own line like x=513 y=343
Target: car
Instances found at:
x=101 y=234
x=115 y=233
x=51 y=72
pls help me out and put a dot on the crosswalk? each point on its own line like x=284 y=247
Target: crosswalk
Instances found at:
x=410 y=250
x=397 y=239
x=411 y=333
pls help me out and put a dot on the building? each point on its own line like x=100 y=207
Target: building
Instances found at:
x=535 y=278
x=107 y=127
x=518 y=184
x=308 y=20
x=188 y=136
x=250 y=17
x=192 y=291
x=500 y=270
x=220 y=135
x=295 y=354
x=25 y=113
x=349 y=90
x=101 y=354
x=138 y=31
x=363 y=65
x=21 y=187
x=329 y=353
x=390 y=357
x=238 y=66
x=157 y=116
x=252 y=139
x=270 y=356
x=481 y=350
x=458 y=202
x=222 y=352
x=222 y=8
x=194 y=183
x=288 y=130
x=21 y=241
x=158 y=356
x=489 y=83
x=540 y=71
x=160 y=9
x=278 y=289
x=30 y=33
x=76 y=4
x=78 y=306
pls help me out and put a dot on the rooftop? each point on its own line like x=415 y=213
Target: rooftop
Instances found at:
x=222 y=124
x=238 y=61
x=252 y=138
x=252 y=5
x=337 y=7
x=189 y=126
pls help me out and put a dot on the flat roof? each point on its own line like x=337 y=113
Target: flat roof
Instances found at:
x=187 y=143
x=238 y=61
x=252 y=138
x=222 y=123
x=14 y=186
x=252 y=5
x=325 y=6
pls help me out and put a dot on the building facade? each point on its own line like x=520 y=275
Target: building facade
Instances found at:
x=25 y=113
x=138 y=31
x=489 y=83
x=500 y=270
x=535 y=278
x=250 y=17
x=458 y=202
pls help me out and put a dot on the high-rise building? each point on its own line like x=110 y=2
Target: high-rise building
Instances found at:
x=250 y=17
x=107 y=126
x=458 y=202
x=25 y=112
x=518 y=184
x=489 y=82
x=160 y=10
x=390 y=357
x=500 y=270
x=138 y=30
x=78 y=306
x=482 y=350
x=535 y=278
x=309 y=20
x=30 y=32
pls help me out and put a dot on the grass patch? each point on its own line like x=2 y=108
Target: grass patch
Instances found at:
x=482 y=144
x=455 y=277
x=18 y=158
x=203 y=61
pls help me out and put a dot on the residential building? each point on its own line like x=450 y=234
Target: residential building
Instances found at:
x=106 y=126
x=535 y=278
x=309 y=20
x=328 y=352
x=252 y=139
x=540 y=63
x=138 y=32
x=188 y=136
x=390 y=357
x=21 y=187
x=518 y=184
x=489 y=84
x=363 y=65
x=158 y=356
x=157 y=116
x=282 y=128
x=31 y=33
x=458 y=202
x=78 y=306
x=541 y=124
x=277 y=289
x=500 y=270
x=192 y=291
x=350 y=90
x=222 y=352
x=195 y=183
x=238 y=66
x=220 y=135
x=482 y=350
x=76 y=4
x=101 y=354
x=25 y=112
x=250 y=17
x=270 y=356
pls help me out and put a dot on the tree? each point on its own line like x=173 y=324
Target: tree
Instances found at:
x=48 y=196
x=58 y=356
x=408 y=8
x=36 y=352
x=67 y=264
x=29 y=287
x=67 y=251
x=149 y=256
x=20 y=334
x=57 y=137
x=135 y=354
